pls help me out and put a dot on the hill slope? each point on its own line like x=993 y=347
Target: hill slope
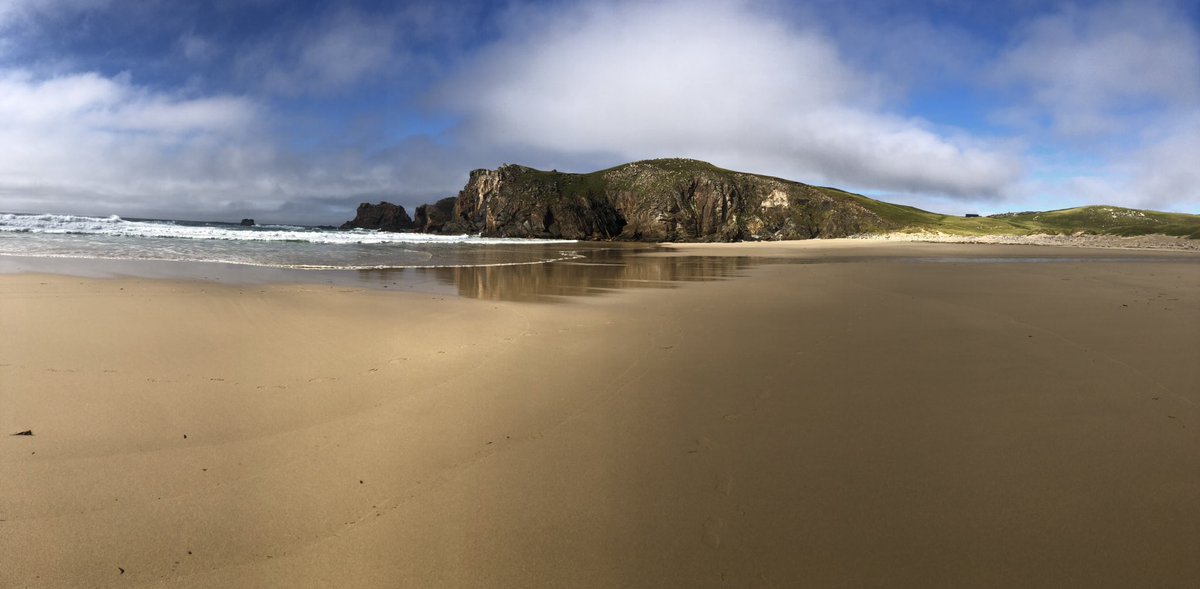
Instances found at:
x=689 y=200
x=1089 y=220
x=1106 y=220
x=655 y=200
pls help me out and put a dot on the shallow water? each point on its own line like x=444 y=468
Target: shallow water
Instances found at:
x=592 y=269
x=596 y=269
x=272 y=246
x=469 y=266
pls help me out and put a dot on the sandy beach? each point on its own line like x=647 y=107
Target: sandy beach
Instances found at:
x=809 y=414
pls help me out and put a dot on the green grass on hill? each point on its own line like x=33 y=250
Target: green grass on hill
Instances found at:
x=1103 y=219
x=1108 y=220
x=1094 y=220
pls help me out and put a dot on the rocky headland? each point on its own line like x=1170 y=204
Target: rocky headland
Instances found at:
x=683 y=200
x=653 y=200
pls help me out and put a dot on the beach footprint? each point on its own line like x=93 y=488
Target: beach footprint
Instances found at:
x=763 y=397
x=711 y=531
x=723 y=484
x=701 y=444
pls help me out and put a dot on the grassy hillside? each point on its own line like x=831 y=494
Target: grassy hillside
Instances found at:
x=1106 y=220
x=1093 y=220
x=1102 y=220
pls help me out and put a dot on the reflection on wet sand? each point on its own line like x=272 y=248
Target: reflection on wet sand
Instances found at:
x=548 y=272
x=598 y=272
x=591 y=271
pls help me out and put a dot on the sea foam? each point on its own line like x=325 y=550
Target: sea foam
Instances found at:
x=118 y=227
x=279 y=246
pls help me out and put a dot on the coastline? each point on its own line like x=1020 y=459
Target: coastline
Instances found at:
x=782 y=423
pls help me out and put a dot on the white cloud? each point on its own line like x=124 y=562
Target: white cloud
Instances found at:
x=197 y=48
x=323 y=57
x=1167 y=175
x=1159 y=174
x=1101 y=70
x=18 y=11
x=90 y=139
x=114 y=105
x=86 y=143
x=1120 y=84
x=712 y=80
x=18 y=18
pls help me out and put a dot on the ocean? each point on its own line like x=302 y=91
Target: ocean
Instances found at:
x=464 y=265
x=272 y=246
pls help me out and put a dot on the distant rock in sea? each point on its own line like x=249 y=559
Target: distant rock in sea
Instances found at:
x=247 y=223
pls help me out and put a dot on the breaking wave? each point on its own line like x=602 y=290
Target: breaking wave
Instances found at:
x=279 y=246
x=118 y=227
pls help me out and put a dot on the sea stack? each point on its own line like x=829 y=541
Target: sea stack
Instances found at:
x=384 y=216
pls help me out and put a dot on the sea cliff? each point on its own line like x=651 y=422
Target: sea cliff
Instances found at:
x=653 y=200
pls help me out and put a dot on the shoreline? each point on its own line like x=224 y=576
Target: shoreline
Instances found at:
x=250 y=274
x=793 y=420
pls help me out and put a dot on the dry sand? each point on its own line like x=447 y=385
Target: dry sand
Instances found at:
x=865 y=423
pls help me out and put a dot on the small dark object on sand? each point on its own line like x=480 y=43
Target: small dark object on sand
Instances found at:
x=122 y=570
x=27 y=432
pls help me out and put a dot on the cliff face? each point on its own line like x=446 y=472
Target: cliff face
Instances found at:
x=515 y=201
x=431 y=218
x=654 y=200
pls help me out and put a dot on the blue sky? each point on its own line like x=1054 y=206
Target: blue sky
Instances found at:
x=296 y=111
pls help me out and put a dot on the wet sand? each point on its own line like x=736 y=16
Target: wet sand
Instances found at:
x=765 y=415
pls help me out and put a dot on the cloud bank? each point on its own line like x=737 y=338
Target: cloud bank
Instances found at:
x=87 y=143
x=329 y=55
x=1098 y=71
x=636 y=80
x=1119 y=83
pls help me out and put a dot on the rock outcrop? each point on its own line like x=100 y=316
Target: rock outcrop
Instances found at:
x=654 y=200
x=431 y=218
x=689 y=200
x=384 y=216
